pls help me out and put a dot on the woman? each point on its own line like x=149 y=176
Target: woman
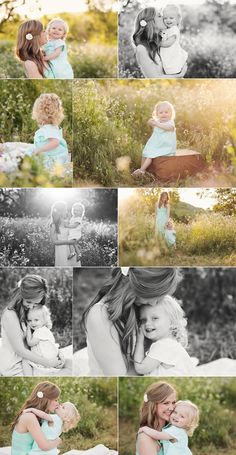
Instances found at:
x=31 y=291
x=26 y=426
x=59 y=235
x=159 y=403
x=162 y=213
x=110 y=350
x=148 y=24
x=31 y=37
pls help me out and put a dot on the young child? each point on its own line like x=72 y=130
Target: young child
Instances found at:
x=172 y=55
x=65 y=418
x=162 y=213
x=183 y=421
x=163 y=139
x=48 y=139
x=74 y=226
x=55 y=49
x=170 y=233
x=39 y=337
x=163 y=325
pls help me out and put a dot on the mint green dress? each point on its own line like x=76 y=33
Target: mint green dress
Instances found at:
x=50 y=433
x=60 y=66
x=161 y=142
x=176 y=448
x=58 y=155
x=21 y=443
x=161 y=219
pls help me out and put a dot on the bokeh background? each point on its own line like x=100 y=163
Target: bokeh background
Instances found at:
x=208 y=297
x=110 y=129
x=215 y=397
x=25 y=225
x=92 y=397
x=91 y=41
x=59 y=298
x=207 y=33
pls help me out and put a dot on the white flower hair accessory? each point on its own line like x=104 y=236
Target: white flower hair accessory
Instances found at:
x=29 y=37
x=125 y=270
x=145 y=398
x=19 y=283
x=143 y=23
x=39 y=394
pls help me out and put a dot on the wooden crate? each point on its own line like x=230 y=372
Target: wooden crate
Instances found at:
x=185 y=162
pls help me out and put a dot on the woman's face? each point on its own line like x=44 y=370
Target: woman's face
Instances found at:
x=42 y=38
x=53 y=404
x=159 y=24
x=166 y=407
x=30 y=303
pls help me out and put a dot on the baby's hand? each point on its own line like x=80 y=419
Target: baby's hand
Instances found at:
x=140 y=334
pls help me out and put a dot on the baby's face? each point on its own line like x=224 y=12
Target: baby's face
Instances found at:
x=34 y=319
x=155 y=322
x=164 y=113
x=56 y=31
x=77 y=211
x=170 y=17
x=62 y=411
x=179 y=417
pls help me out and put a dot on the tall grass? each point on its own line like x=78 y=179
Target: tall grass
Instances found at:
x=110 y=128
x=25 y=241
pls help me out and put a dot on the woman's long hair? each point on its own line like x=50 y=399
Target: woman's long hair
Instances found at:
x=47 y=391
x=155 y=393
x=56 y=214
x=146 y=35
x=31 y=49
x=121 y=292
x=30 y=286
x=160 y=201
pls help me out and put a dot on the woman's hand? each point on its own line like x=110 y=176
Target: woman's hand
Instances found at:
x=55 y=362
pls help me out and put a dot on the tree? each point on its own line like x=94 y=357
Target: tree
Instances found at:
x=8 y=9
x=226 y=201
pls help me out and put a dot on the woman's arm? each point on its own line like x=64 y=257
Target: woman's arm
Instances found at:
x=53 y=55
x=32 y=71
x=34 y=429
x=104 y=341
x=168 y=211
x=52 y=144
x=14 y=334
x=146 y=445
x=40 y=414
x=54 y=239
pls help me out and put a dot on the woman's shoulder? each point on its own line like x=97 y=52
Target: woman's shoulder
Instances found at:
x=9 y=316
x=141 y=49
x=144 y=442
x=98 y=310
x=29 y=64
x=27 y=418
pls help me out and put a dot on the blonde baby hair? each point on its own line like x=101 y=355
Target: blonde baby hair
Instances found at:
x=46 y=315
x=64 y=23
x=176 y=9
x=193 y=415
x=72 y=418
x=163 y=103
x=170 y=221
x=48 y=110
x=78 y=204
x=176 y=315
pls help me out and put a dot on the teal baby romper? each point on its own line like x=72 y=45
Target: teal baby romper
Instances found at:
x=161 y=219
x=21 y=443
x=58 y=155
x=61 y=68
x=50 y=432
x=170 y=237
x=161 y=143
x=176 y=448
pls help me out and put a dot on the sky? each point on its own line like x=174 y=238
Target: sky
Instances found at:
x=189 y=195
x=51 y=7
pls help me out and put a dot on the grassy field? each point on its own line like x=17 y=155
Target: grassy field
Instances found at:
x=25 y=241
x=110 y=129
x=207 y=239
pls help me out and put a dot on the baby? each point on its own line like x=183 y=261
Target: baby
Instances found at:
x=65 y=418
x=55 y=49
x=39 y=338
x=183 y=421
x=172 y=55
x=170 y=234
x=75 y=230
x=164 y=325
